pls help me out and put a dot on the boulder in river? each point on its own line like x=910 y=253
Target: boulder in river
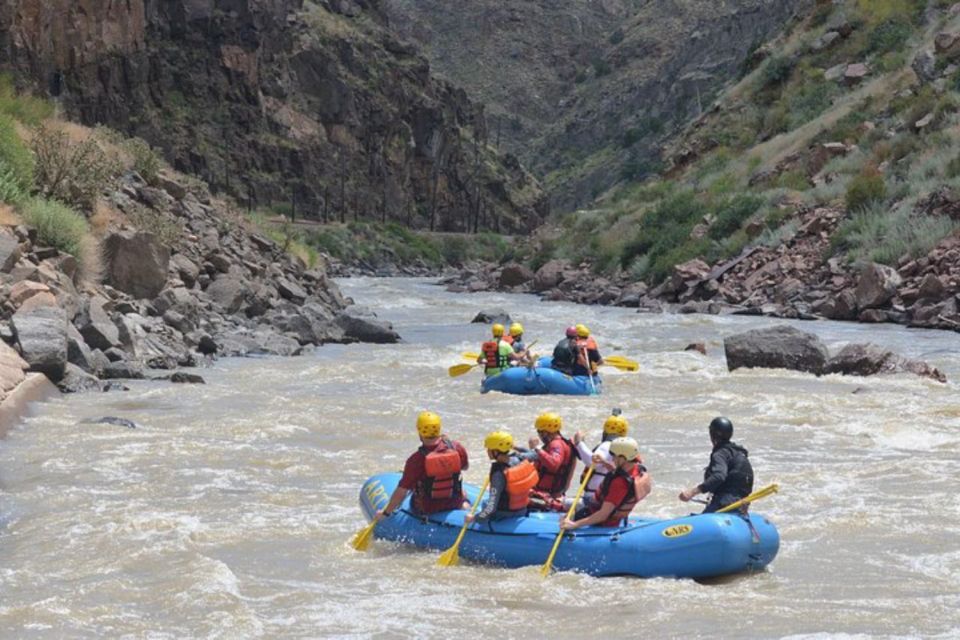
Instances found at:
x=367 y=329
x=779 y=347
x=869 y=359
x=492 y=316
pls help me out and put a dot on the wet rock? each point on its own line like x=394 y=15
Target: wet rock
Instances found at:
x=122 y=370
x=181 y=377
x=514 y=275
x=243 y=343
x=492 y=316
x=780 y=347
x=136 y=263
x=367 y=329
x=869 y=359
x=873 y=316
x=42 y=339
x=877 y=285
x=120 y=422
x=76 y=380
x=696 y=346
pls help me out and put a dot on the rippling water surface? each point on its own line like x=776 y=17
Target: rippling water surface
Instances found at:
x=225 y=514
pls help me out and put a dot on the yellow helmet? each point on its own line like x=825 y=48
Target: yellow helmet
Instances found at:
x=499 y=441
x=516 y=329
x=626 y=447
x=549 y=422
x=497 y=330
x=583 y=331
x=616 y=425
x=428 y=425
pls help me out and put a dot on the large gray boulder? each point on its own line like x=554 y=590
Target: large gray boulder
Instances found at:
x=515 y=274
x=76 y=380
x=41 y=335
x=136 y=263
x=228 y=293
x=492 y=316
x=780 y=347
x=178 y=299
x=550 y=275
x=878 y=283
x=366 y=329
x=97 y=327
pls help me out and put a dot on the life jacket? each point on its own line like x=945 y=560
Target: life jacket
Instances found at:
x=491 y=354
x=508 y=340
x=442 y=466
x=622 y=510
x=584 y=346
x=520 y=479
x=556 y=483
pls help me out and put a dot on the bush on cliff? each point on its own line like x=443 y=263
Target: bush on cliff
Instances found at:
x=57 y=224
x=866 y=189
x=27 y=109
x=72 y=172
x=15 y=156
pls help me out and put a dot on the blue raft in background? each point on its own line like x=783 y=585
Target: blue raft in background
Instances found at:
x=696 y=546
x=541 y=380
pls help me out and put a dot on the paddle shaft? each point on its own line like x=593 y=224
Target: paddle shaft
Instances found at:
x=473 y=509
x=756 y=495
x=573 y=507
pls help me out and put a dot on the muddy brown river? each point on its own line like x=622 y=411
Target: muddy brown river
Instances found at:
x=226 y=513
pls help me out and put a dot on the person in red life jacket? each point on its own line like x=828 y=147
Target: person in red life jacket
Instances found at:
x=433 y=473
x=619 y=493
x=588 y=356
x=555 y=459
x=510 y=480
x=497 y=354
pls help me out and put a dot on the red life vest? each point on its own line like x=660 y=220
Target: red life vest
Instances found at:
x=634 y=479
x=442 y=466
x=598 y=471
x=556 y=483
x=508 y=340
x=520 y=479
x=491 y=354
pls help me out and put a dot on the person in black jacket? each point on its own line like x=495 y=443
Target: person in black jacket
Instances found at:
x=729 y=476
x=565 y=353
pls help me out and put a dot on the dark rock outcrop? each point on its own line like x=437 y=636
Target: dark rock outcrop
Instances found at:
x=780 y=347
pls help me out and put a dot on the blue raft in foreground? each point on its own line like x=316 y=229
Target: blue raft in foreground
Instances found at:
x=540 y=380
x=697 y=546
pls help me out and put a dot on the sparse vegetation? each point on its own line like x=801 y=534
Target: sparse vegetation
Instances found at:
x=73 y=172
x=57 y=224
x=865 y=190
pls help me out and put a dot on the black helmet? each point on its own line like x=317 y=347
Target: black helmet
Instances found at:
x=721 y=429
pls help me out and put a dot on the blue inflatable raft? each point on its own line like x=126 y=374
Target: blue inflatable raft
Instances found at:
x=540 y=380
x=697 y=546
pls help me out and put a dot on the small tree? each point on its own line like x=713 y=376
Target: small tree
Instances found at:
x=74 y=173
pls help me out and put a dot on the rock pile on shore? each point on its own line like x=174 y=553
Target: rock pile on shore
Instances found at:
x=184 y=279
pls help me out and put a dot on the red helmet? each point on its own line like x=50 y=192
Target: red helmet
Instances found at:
x=571 y=332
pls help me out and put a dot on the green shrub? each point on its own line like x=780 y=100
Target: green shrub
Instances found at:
x=865 y=190
x=15 y=155
x=57 y=224
x=809 y=100
x=71 y=172
x=664 y=228
x=776 y=71
x=889 y=35
x=10 y=190
x=881 y=235
x=616 y=37
x=146 y=161
x=27 y=109
x=733 y=213
x=953 y=167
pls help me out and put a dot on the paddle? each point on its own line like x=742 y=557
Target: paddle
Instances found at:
x=621 y=360
x=460 y=369
x=586 y=358
x=361 y=541
x=545 y=570
x=470 y=356
x=451 y=557
x=623 y=366
x=756 y=495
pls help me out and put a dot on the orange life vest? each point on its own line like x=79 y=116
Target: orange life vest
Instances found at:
x=585 y=345
x=491 y=354
x=508 y=340
x=556 y=483
x=443 y=467
x=520 y=479
x=634 y=478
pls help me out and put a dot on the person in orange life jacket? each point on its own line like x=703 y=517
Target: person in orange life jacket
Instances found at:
x=615 y=426
x=619 y=493
x=555 y=460
x=565 y=353
x=588 y=356
x=432 y=473
x=497 y=354
x=729 y=476
x=510 y=481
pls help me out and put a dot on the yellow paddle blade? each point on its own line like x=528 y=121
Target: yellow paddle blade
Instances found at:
x=548 y=565
x=471 y=356
x=621 y=360
x=622 y=366
x=768 y=490
x=459 y=369
x=361 y=541
x=451 y=557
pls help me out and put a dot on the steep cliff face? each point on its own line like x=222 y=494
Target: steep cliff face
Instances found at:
x=314 y=105
x=588 y=92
